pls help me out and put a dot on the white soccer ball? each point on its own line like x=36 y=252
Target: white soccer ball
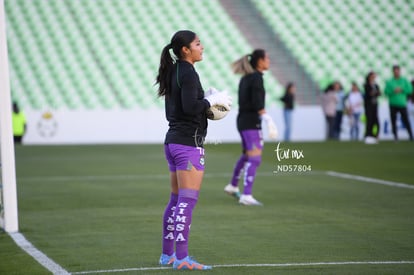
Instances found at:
x=217 y=112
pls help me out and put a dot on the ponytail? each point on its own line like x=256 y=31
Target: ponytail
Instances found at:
x=164 y=71
x=242 y=66
x=180 y=39
x=248 y=63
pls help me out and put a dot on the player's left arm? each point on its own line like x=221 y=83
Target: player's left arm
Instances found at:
x=259 y=104
x=408 y=88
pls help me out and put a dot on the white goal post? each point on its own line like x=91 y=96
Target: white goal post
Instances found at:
x=8 y=201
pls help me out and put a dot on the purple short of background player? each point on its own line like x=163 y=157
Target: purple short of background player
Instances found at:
x=251 y=139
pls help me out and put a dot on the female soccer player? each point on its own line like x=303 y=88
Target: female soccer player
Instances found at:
x=185 y=108
x=251 y=113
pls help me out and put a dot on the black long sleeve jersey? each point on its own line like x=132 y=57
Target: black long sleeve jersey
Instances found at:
x=185 y=107
x=372 y=92
x=288 y=100
x=251 y=100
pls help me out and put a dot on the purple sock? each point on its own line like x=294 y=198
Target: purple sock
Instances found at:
x=187 y=199
x=168 y=226
x=250 y=173
x=237 y=170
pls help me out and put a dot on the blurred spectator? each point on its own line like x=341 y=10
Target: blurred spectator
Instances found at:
x=340 y=107
x=410 y=106
x=355 y=107
x=371 y=94
x=19 y=124
x=288 y=100
x=329 y=101
x=397 y=89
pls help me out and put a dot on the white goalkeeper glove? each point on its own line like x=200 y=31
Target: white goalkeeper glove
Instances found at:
x=215 y=97
x=211 y=91
x=271 y=126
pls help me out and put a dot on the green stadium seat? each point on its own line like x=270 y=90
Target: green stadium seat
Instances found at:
x=81 y=48
x=334 y=27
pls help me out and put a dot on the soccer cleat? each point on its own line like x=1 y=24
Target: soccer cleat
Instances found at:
x=232 y=190
x=167 y=260
x=189 y=263
x=249 y=200
x=371 y=140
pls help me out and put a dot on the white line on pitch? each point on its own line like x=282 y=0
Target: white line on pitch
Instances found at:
x=207 y=175
x=255 y=265
x=122 y=177
x=38 y=255
x=371 y=180
x=148 y=176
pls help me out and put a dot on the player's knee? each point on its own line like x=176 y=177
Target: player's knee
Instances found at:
x=256 y=160
x=254 y=152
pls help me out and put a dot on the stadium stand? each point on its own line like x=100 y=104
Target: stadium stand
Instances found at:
x=343 y=40
x=104 y=55
x=284 y=66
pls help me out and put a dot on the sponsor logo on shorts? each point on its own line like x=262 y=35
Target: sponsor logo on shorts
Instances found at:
x=189 y=166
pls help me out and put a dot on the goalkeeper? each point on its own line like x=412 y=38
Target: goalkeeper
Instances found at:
x=249 y=123
x=185 y=109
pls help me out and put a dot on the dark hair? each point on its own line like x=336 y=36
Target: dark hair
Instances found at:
x=354 y=84
x=179 y=40
x=15 y=107
x=328 y=88
x=331 y=86
x=337 y=82
x=368 y=76
x=289 y=86
x=248 y=63
x=255 y=56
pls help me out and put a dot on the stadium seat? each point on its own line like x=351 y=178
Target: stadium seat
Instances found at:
x=84 y=55
x=366 y=39
x=112 y=47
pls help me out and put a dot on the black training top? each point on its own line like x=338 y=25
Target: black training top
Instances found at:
x=372 y=92
x=185 y=107
x=288 y=100
x=251 y=100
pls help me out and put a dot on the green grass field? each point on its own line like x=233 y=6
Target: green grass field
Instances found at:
x=96 y=208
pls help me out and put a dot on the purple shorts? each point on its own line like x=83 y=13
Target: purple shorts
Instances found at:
x=252 y=139
x=183 y=157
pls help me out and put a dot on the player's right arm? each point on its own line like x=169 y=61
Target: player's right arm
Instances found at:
x=388 y=88
x=258 y=94
x=191 y=90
